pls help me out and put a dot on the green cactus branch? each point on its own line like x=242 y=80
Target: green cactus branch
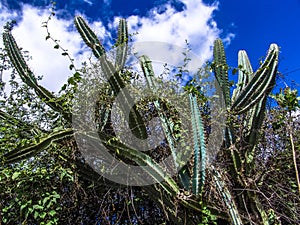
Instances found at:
x=27 y=76
x=167 y=125
x=261 y=83
x=113 y=74
x=152 y=168
x=17 y=59
x=245 y=73
x=89 y=37
x=33 y=130
x=227 y=197
x=199 y=161
x=221 y=70
x=26 y=152
x=122 y=45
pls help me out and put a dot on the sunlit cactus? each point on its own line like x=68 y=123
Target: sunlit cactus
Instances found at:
x=260 y=84
x=221 y=70
x=248 y=100
x=122 y=44
x=113 y=72
x=28 y=77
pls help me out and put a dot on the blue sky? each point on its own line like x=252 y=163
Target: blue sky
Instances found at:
x=249 y=25
x=258 y=23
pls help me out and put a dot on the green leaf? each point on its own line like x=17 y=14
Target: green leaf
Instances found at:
x=15 y=175
x=23 y=206
x=36 y=214
x=45 y=200
x=71 y=66
x=52 y=212
x=43 y=215
x=56 y=46
x=37 y=207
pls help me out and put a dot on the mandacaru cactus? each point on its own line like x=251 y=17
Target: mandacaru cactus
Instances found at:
x=112 y=72
x=248 y=100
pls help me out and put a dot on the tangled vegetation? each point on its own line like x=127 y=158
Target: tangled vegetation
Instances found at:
x=45 y=179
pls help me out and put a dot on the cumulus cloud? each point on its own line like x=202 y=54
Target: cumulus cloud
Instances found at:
x=47 y=61
x=193 y=24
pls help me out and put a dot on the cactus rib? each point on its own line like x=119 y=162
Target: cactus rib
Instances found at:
x=136 y=122
x=245 y=73
x=89 y=37
x=19 y=154
x=261 y=83
x=221 y=70
x=28 y=77
x=122 y=44
x=199 y=162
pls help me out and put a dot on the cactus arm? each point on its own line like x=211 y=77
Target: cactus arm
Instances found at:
x=122 y=44
x=91 y=40
x=116 y=82
x=136 y=122
x=148 y=72
x=227 y=197
x=12 y=120
x=198 y=130
x=23 y=153
x=261 y=83
x=142 y=159
x=103 y=111
x=89 y=37
x=18 y=60
x=28 y=77
x=184 y=176
x=221 y=70
x=199 y=162
x=27 y=127
x=245 y=73
x=184 y=173
x=167 y=125
x=255 y=121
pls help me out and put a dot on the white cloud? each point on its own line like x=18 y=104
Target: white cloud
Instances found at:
x=47 y=61
x=194 y=24
x=88 y=2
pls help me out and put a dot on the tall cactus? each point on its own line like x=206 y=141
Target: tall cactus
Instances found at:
x=28 y=77
x=112 y=72
x=248 y=99
x=221 y=70
x=195 y=179
x=260 y=85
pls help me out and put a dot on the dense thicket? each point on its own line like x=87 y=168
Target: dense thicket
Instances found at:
x=45 y=180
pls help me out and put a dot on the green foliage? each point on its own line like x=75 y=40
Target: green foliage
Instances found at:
x=208 y=218
x=288 y=99
x=38 y=148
